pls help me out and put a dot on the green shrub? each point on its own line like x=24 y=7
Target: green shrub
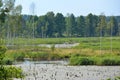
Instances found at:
x=73 y=60
x=118 y=62
x=108 y=61
x=43 y=56
x=81 y=61
x=117 y=78
x=8 y=73
x=86 y=61
x=7 y=61
x=54 y=57
x=39 y=56
x=19 y=56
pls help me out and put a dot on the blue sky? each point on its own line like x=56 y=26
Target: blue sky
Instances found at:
x=77 y=7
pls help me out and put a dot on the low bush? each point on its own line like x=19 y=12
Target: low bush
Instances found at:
x=86 y=61
x=81 y=61
x=8 y=73
x=110 y=61
x=74 y=60
x=19 y=56
x=8 y=61
x=44 y=56
x=106 y=60
x=54 y=57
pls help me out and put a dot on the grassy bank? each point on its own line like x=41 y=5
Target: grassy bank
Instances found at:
x=95 y=60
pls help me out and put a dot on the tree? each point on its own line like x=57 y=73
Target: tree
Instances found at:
x=59 y=24
x=32 y=8
x=119 y=29
x=70 y=25
x=81 y=26
x=51 y=24
x=3 y=13
x=12 y=20
x=102 y=25
x=95 y=24
x=42 y=26
x=90 y=28
x=113 y=26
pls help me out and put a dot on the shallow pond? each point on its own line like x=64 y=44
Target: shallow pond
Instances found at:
x=58 y=70
x=65 y=45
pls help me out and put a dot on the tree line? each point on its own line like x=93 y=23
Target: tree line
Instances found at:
x=58 y=25
x=13 y=24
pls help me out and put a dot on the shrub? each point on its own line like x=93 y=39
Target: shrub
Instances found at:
x=7 y=61
x=86 y=61
x=39 y=56
x=108 y=61
x=19 y=56
x=10 y=72
x=81 y=61
x=74 y=60
x=54 y=57
x=43 y=56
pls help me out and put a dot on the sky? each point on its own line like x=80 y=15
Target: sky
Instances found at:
x=77 y=7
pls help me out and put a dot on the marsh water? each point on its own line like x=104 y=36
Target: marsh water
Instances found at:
x=64 y=45
x=59 y=70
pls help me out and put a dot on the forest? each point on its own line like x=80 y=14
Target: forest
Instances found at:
x=53 y=25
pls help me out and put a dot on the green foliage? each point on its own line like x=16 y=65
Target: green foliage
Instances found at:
x=45 y=56
x=8 y=73
x=81 y=31
x=8 y=61
x=86 y=61
x=19 y=56
x=59 y=24
x=55 y=57
x=116 y=78
x=107 y=60
x=110 y=61
x=2 y=54
x=40 y=56
x=35 y=56
x=81 y=61
x=53 y=48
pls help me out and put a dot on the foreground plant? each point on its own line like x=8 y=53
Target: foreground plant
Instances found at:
x=8 y=72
